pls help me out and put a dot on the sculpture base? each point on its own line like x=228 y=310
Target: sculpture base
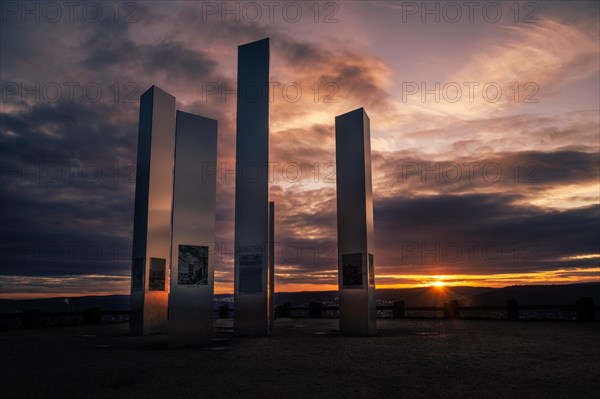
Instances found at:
x=358 y=312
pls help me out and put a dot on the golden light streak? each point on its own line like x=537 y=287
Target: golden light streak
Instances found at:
x=577 y=257
x=558 y=276
x=569 y=196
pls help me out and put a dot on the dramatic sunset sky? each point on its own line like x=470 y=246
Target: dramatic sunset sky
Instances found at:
x=495 y=185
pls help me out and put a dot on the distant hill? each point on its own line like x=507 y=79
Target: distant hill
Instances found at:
x=565 y=294
x=423 y=296
x=429 y=296
x=304 y=297
x=76 y=304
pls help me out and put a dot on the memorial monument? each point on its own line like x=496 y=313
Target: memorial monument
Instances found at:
x=193 y=234
x=355 y=224
x=251 y=316
x=152 y=215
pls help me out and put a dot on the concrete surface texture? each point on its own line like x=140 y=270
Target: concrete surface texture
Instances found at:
x=308 y=358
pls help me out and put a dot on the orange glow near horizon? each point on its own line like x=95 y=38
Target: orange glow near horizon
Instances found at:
x=560 y=276
x=388 y=281
x=383 y=281
x=58 y=295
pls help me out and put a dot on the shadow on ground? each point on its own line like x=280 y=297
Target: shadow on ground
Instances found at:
x=308 y=358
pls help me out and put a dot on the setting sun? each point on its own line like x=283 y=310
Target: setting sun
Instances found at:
x=438 y=284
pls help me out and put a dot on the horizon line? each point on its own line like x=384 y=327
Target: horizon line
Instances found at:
x=30 y=296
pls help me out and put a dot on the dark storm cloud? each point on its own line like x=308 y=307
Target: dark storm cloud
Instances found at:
x=303 y=53
x=444 y=234
x=356 y=80
x=577 y=131
x=481 y=233
x=297 y=146
x=525 y=173
x=68 y=165
x=68 y=179
x=456 y=230
x=66 y=130
x=182 y=63
x=110 y=46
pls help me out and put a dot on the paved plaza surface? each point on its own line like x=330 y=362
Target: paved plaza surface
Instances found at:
x=308 y=358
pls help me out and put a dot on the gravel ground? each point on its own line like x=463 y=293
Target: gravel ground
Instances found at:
x=308 y=358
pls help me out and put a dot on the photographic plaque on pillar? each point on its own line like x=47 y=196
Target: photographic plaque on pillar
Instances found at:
x=250 y=281
x=156 y=279
x=192 y=265
x=152 y=215
x=355 y=223
x=193 y=236
x=352 y=271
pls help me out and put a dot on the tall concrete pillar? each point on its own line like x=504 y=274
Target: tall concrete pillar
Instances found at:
x=152 y=215
x=193 y=237
x=251 y=316
x=355 y=224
